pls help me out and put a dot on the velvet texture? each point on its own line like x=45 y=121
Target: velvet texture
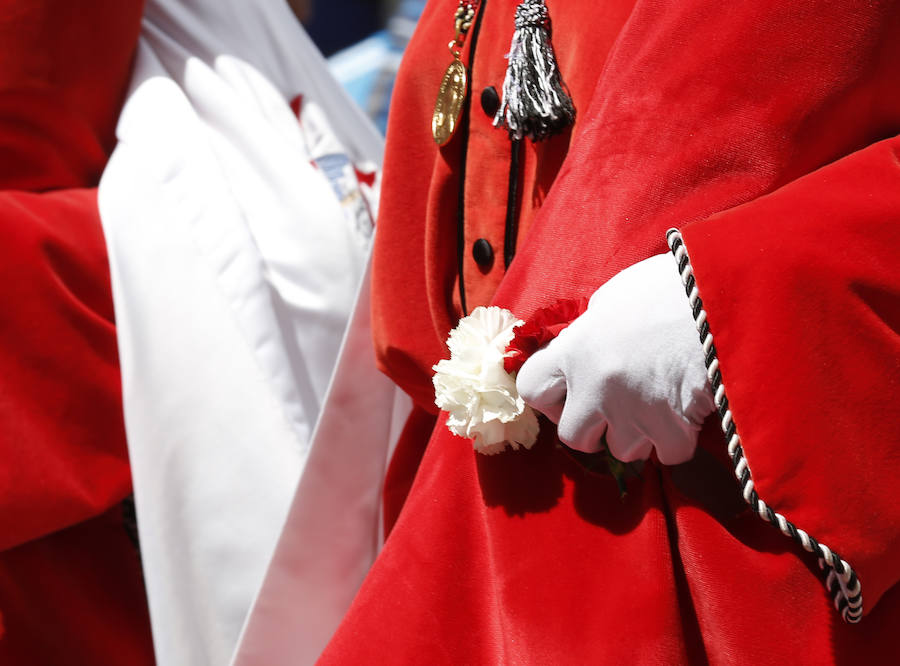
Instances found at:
x=70 y=582
x=757 y=130
x=63 y=76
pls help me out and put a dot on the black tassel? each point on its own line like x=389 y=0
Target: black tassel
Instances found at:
x=536 y=102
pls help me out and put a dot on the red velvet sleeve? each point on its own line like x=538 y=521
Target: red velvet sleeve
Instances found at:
x=63 y=444
x=801 y=290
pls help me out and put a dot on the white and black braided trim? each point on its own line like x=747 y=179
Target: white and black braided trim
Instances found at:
x=840 y=579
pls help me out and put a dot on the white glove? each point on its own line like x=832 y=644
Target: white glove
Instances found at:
x=631 y=366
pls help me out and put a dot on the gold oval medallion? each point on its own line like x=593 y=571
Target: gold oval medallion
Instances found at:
x=449 y=104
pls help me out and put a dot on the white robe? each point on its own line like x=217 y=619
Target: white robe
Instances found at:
x=235 y=267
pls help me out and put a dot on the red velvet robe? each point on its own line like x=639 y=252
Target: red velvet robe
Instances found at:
x=766 y=132
x=70 y=581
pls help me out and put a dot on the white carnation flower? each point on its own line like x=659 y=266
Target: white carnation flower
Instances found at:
x=476 y=390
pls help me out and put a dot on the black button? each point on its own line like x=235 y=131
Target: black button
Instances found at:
x=490 y=101
x=483 y=253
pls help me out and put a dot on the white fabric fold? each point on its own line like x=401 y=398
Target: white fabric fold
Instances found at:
x=234 y=269
x=334 y=529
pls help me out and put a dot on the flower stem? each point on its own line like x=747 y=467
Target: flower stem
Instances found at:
x=617 y=468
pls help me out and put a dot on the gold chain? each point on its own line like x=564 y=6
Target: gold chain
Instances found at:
x=464 y=16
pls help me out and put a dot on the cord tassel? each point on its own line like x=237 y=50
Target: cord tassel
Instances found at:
x=536 y=101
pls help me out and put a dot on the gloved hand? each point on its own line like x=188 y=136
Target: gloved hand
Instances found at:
x=631 y=366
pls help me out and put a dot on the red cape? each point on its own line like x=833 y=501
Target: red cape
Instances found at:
x=765 y=131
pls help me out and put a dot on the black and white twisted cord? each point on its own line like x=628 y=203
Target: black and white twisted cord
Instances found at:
x=840 y=579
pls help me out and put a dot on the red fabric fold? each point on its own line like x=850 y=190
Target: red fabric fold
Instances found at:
x=60 y=397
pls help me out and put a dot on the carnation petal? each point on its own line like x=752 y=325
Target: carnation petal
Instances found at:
x=475 y=389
